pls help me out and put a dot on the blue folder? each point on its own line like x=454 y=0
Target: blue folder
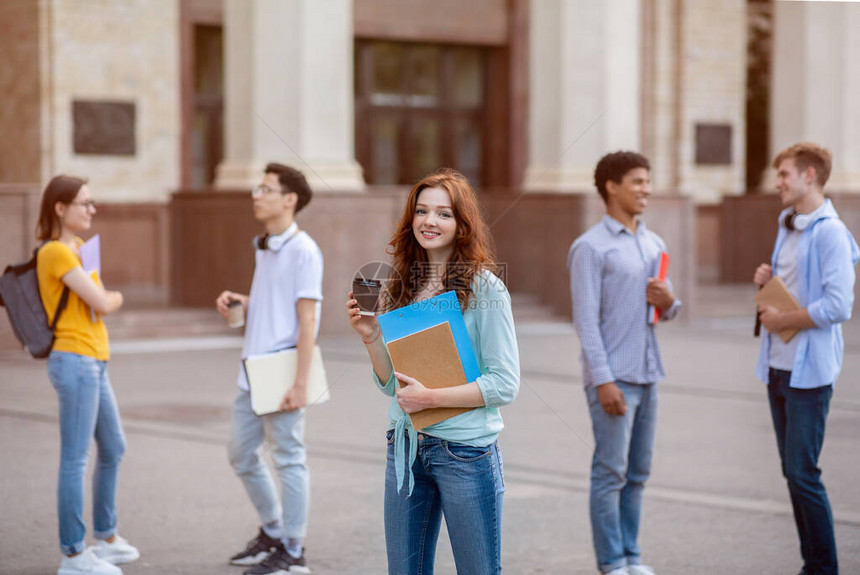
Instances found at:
x=418 y=316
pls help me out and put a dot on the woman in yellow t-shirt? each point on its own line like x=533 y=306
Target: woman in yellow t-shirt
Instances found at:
x=77 y=368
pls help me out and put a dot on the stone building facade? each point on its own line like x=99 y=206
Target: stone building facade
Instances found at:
x=172 y=107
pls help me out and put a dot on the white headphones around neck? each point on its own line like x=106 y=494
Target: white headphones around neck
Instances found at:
x=796 y=221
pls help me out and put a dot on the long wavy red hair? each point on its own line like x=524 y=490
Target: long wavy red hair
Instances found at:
x=473 y=249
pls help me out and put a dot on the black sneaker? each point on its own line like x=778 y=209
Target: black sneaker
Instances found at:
x=279 y=562
x=258 y=549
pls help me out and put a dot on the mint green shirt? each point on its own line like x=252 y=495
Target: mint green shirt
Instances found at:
x=490 y=324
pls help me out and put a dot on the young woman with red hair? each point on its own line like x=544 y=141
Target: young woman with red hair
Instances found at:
x=453 y=468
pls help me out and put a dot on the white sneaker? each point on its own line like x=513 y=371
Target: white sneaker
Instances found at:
x=119 y=551
x=86 y=563
x=640 y=570
x=619 y=571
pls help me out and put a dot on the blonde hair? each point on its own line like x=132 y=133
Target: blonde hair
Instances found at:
x=806 y=155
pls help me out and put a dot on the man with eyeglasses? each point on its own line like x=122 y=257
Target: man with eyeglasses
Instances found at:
x=282 y=312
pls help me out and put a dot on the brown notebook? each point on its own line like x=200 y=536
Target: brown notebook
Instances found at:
x=431 y=357
x=776 y=293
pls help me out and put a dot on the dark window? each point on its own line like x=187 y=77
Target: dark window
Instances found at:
x=207 y=137
x=419 y=107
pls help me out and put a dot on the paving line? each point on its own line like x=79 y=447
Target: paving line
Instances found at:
x=551 y=479
x=144 y=346
x=715 y=500
x=206 y=343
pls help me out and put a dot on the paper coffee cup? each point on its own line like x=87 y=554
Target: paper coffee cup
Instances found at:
x=235 y=314
x=366 y=293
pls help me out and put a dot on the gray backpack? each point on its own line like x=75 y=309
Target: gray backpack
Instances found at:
x=19 y=293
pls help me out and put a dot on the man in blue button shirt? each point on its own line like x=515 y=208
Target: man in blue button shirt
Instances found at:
x=611 y=282
x=815 y=256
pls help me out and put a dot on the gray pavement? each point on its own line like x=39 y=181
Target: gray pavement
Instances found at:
x=715 y=504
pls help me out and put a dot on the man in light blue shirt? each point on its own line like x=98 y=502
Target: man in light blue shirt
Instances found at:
x=815 y=256
x=612 y=268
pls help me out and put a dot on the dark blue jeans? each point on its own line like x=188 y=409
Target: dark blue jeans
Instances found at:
x=799 y=416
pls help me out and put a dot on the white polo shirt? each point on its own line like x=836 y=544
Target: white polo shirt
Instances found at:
x=290 y=270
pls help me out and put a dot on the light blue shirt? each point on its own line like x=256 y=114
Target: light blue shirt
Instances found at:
x=826 y=255
x=490 y=324
x=609 y=269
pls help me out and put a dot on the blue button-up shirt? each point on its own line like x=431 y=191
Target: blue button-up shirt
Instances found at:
x=826 y=256
x=609 y=270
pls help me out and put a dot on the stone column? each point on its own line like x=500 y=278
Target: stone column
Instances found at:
x=584 y=89
x=288 y=93
x=816 y=79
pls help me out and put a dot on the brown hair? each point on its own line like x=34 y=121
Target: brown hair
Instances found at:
x=291 y=180
x=805 y=155
x=63 y=189
x=473 y=249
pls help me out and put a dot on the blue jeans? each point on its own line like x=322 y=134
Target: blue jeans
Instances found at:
x=799 y=416
x=287 y=516
x=87 y=409
x=623 y=445
x=466 y=485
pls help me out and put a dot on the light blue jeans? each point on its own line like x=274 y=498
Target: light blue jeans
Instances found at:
x=287 y=516
x=466 y=485
x=623 y=445
x=87 y=410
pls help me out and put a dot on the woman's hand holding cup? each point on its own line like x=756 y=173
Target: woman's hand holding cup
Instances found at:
x=366 y=325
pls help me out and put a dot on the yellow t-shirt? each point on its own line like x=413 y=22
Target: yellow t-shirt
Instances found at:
x=76 y=332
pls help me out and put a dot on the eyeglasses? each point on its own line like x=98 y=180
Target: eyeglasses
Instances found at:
x=87 y=204
x=261 y=190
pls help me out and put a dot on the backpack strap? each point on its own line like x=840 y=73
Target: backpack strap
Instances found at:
x=64 y=299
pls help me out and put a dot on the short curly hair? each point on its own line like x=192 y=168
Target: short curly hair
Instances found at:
x=805 y=155
x=614 y=166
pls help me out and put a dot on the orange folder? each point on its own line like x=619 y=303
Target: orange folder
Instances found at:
x=661 y=272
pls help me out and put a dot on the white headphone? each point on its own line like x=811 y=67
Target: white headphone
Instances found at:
x=797 y=221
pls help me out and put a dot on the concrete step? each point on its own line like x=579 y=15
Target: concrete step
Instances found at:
x=190 y=322
x=174 y=322
x=147 y=323
x=167 y=323
x=725 y=300
x=528 y=309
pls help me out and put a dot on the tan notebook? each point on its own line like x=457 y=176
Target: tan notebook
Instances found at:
x=431 y=357
x=776 y=293
x=271 y=375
